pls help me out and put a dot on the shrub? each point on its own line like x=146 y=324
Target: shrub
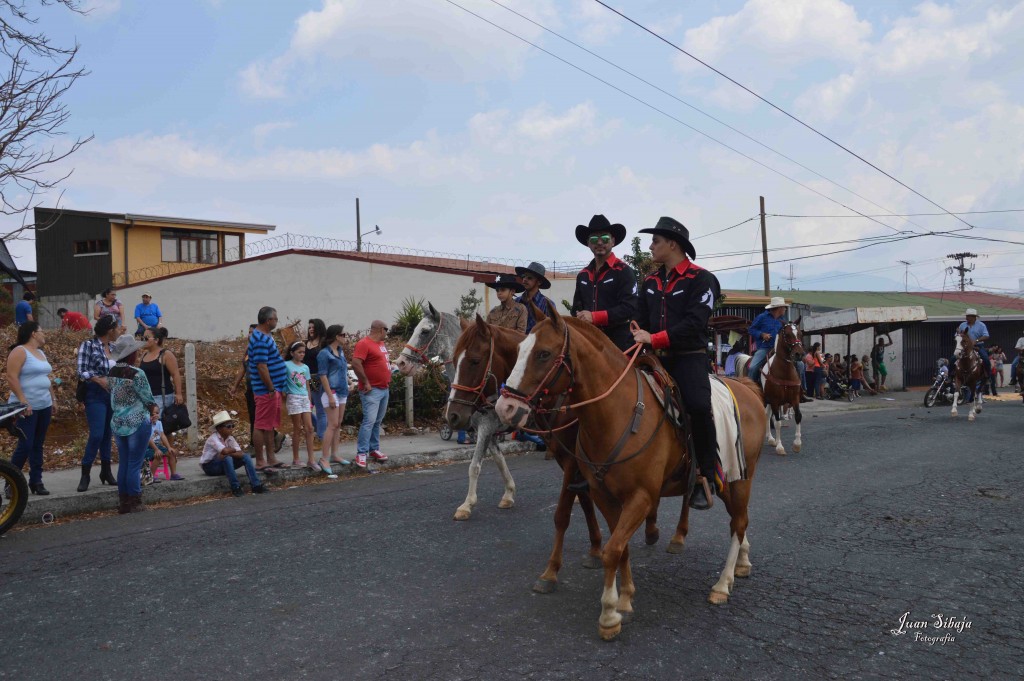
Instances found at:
x=468 y=304
x=410 y=315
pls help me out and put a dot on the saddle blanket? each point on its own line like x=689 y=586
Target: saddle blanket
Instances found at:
x=728 y=431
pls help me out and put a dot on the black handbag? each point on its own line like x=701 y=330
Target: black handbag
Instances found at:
x=80 y=391
x=174 y=417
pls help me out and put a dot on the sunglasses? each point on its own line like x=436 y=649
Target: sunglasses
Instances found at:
x=600 y=239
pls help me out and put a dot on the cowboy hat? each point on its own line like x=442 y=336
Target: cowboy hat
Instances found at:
x=537 y=270
x=673 y=229
x=124 y=346
x=971 y=312
x=220 y=418
x=506 y=281
x=600 y=223
x=776 y=302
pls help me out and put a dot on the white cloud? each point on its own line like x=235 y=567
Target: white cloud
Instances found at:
x=97 y=9
x=423 y=38
x=263 y=130
x=596 y=25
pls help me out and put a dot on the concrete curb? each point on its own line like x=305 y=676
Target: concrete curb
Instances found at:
x=41 y=510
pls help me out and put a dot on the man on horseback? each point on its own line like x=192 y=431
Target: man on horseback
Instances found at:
x=1019 y=348
x=978 y=332
x=533 y=281
x=606 y=288
x=675 y=306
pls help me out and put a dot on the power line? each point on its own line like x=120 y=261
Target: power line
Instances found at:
x=779 y=109
x=903 y=215
x=726 y=229
x=705 y=114
x=673 y=118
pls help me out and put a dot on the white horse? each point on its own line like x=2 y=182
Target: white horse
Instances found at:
x=435 y=336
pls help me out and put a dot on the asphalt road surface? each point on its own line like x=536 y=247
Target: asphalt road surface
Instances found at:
x=883 y=513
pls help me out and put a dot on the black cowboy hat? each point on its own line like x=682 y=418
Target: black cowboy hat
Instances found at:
x=599 y=223
x=506 y=281
x=673 y=229
x=537 y=270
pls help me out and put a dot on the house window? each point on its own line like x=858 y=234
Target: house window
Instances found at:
x=92 y=247
x=232 y=247
x=182 y=246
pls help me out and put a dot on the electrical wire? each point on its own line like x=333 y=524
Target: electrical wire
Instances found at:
x=779 y=109
x=903 y=215
x=727 y=228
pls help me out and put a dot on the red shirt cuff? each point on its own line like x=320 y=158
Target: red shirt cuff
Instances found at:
x=600 y=317
x=660 y=340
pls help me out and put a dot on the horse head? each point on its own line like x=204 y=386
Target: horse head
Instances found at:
x=789 y=342
x=433 y=336
x=962 y=339
x=483 y=357
x=542 y=372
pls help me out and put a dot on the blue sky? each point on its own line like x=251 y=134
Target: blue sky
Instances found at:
x=459 y=138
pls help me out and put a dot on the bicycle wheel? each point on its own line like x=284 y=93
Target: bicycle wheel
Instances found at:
x=13 y=496
x=930 y=397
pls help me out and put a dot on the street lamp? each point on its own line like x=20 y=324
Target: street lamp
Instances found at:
x=359 y=236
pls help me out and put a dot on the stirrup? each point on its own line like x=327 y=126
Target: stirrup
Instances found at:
x=695 y=501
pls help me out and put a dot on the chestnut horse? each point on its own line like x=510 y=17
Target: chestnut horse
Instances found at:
x=969 y=370
x=782 y=385
x=484 y=356
x=631 y=456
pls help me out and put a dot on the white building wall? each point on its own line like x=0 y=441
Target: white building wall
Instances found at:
x=221 y=302
x=861 y=343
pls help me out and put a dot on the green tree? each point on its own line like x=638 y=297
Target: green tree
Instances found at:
x=468 y=304
x=639 y=260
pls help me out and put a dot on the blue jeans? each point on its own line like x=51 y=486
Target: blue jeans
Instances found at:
x=375 y=405
x=97 y=413
x=756 y=362
x=227 y=466
x=801 y=370
x=31 y=448
x=1013 y=369
x=523 y=436
x=819 y=381
x=131 y=451
x=320 y=420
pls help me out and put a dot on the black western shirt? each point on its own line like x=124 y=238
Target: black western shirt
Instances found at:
x=675 y=307
x=610 y=295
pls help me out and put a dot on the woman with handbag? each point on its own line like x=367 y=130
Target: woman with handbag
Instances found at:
x=94 y=363
x=161 y=369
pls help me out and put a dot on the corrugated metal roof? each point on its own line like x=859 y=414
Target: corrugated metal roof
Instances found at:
x=936 y=304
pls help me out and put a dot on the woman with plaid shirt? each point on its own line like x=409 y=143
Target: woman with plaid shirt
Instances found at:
x=94 y=363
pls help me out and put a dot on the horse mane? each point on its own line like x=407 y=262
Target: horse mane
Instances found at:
x=595 y=336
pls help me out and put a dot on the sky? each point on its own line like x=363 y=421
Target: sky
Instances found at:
x=458 y=137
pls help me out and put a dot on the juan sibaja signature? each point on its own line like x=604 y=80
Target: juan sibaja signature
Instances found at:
x=938 y=623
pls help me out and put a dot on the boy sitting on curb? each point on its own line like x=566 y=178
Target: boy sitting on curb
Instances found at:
x=222 y=455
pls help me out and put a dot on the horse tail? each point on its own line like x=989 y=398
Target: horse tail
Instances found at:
x=754 y=387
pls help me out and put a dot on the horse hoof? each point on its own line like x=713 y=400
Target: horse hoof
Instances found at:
x=771 y=442
x=717 y=598
x=796 y=448
x=652 y=537
x=506 y=503
x=627 y=616
x=592 y=562
x=780 y=452
x=609 y=633
x=673 y=547
x=461 y=515
x=742 y=571
x=544 y=586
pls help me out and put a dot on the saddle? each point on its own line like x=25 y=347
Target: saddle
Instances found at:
x=664 y=389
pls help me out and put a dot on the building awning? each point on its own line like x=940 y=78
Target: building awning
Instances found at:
x=856 y=319
x=164 y=221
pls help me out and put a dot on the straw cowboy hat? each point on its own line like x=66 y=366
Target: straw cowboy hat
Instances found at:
x=673 y=229
x=124 y=346
x=506 y=281
x=776 y=302
x=537 y=270
x=971 y=312
x=600 y=223
x=222 y=417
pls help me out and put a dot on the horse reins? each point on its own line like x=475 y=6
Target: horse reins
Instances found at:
x=479 y=389
x=421 y=352
x=788 y=358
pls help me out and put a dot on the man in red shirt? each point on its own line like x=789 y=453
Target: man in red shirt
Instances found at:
x=373 y=369
x=73 y=321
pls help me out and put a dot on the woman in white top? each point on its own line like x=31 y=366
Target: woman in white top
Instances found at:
x=28 y=373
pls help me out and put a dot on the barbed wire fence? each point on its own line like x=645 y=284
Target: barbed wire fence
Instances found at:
x=370 y=251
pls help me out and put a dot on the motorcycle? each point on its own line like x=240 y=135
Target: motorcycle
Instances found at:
x=942 y=390
x=15 y=487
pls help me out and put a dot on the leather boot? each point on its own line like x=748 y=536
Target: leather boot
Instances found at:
x=83 y=484
x=106 y=477
x=136 y=504
x=123 y=504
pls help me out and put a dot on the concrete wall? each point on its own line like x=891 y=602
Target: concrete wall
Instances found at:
x=221 y=302
x=861 y=344
x=48 y=306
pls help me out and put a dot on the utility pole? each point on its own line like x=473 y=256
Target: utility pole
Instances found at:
x=906 y=270
x=764 y=251
x=791 y=277
x=359 y=233
x=961 y=268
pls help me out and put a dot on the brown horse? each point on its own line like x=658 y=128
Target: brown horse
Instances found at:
x=631 y=457
x=782 y=385
x=969 y=370
x=483 y=357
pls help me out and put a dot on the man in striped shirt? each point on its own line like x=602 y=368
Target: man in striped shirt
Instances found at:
x=268 y=375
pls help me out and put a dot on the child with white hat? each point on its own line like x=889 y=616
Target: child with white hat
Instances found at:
x=222 y=455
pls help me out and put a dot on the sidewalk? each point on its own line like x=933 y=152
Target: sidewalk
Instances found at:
x=64 y=500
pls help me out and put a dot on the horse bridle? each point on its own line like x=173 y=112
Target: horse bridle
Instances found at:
x=480 y=389
x=562 y=361
x=420 y=355
x=788 y=355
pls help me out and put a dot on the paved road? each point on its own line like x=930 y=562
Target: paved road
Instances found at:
x=884 y=513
